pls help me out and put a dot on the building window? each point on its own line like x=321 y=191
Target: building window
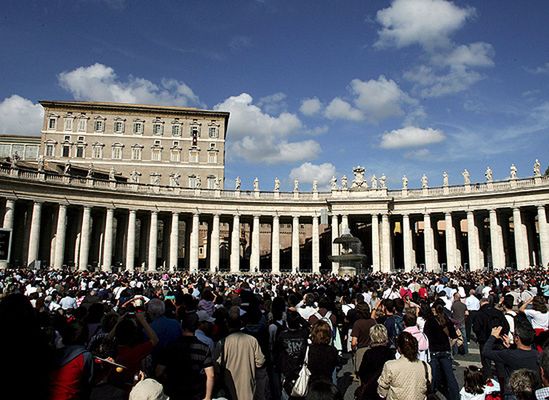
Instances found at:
x=211 y=182
x=82 y=124
x=176 y=130
x=157 y=142
x=138 y=128
x=175 y=155
x=97 y=151
x=66 y=150
x=52 y=123
x=119 y=127
x=158 y=129
x=80 y=151
x=67 y=138
x=195 y=131
x=137 y=153
x=116 y=152
x=212 y=157
x=68 y=124
x=50 y=150
x=213 y=132
x=99 y=125
x=192 y=181
x=156 y=154
x=193 y=156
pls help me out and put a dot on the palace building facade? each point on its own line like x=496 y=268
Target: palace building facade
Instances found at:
x=135 y=214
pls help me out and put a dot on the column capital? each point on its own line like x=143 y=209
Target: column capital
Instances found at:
x=154 y=212
x=541 y=206
x=470 y=213
x=405 y=215
x=132 y=211
x=516 y=208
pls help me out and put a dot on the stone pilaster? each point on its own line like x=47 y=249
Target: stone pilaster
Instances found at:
x=335 y=247
x=375 y=243
x=153 y=241
x=275 y=245
x=407 y=243
x=107 y=241
x=85 y=239
x=429 y=244
x=214 y=240
x=193 y=262
x=386 y=242
x=496 y=241
x=543 y=235
x=521 y=243
x=60 y=234
x=295 y=244
x=255 y=255
x=235 y=245
x=473 y=243
x=451 y=245
x=130 y=245
x=174 y=242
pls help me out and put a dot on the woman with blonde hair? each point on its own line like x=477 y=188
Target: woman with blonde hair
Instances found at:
x=372 y=362
x=406 y=378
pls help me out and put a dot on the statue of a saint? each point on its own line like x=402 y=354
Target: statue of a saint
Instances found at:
x=333 y=183
x=217 y=184
x=296 y=185
x=174 y=179
x=513 y=171
x=277 y=185
x=466 y=177
x=424 y=182
x=537 y=168
x=155 y=178
x=315 y=186
x=198 y=182
x=489 y=175
x=383 y=181
x=111 y=174
x=41 y=164
x=344 y=182
x=67 y=168
x=237 y=183
x=256 y=184
x=134 y=176
x=445 y=178
x=373 y=181
x=404 y=182
x=90 y=172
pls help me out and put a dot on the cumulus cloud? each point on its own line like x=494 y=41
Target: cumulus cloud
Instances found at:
x=428 y=23
x=478 y=54
x=411 y=136
x=431 y=83
x=258 y=136
x=20 y=115
x=310 y=106
x=274 y=103
x=543 y=69
x=340 y=109
x=99 y=82
x=308 y=172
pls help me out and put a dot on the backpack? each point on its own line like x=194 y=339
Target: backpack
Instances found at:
x=394 y=325
x=336 y=338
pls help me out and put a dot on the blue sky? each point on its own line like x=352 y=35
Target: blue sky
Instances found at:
x=314 y=87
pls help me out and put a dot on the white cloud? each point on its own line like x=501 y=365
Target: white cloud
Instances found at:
x=308 y=172
x=428 y=23
x=20 y=115
x=411 y=136
x=340 y=109
x=99 y=82
x=273 y=104
x=544 y=69
x=270 y=151
x=478 y=54
x=310 y=106
x=431 y=83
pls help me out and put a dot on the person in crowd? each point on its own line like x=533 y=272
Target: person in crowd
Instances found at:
x=360 y=334
x=410 y=326
x=406 y=378
x=373 y=360
x=524 y=383
x=148 y=389
x=475 y=387
x=323 y=357
x=473 y=305
x=507 y=302
x=323 y=390
x=167 y=330
x=543 y=392
x=537 y=315
x=459 y=314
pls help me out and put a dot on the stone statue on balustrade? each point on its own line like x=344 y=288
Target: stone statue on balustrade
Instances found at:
x=445 y=178
x=359 y=181
x=489 y=175
x=217 y=184
x=373 y=181
x=112 y=173
x=344 y=182
x=155 y=178
x=41 y=164
x=404 y=182
x=256 y=184
x=277 y=185
x=67 y=168
x=91 y=170
x=424 y=182
x=198 y=182
x=537 y=168
x=383 y=181
x=296 y=185
x=134 y=176
x=174 y=179
x=466 y=177
x=237 y=183
x=513 y=171
x=315 y=186
x=333 y=183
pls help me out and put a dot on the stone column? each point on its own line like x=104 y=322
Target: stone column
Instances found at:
x=496 y=241
x=34 y=236
x=235 y=245
x=275 y=245
x=130 y=245
x=429 y=244
x=375 y=243
x=521 y=242
x=8 y=223
x=315 y=246
x=385 y=243
x=107 y=241
x=174 y=241
x=85 y=239
x=472 y=242
x=543 y=235
x=344 y=224
x=407 y=242
x=153 y=241
x=295 y=244
x=451 y=244
x=254 y=259
x=335 y=247
x=214 y=246
x=60 y=234
x=194 y=243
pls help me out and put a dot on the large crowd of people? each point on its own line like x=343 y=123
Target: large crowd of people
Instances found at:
x=98 y=335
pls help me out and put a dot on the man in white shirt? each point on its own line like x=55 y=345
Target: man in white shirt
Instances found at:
x=473 y=305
